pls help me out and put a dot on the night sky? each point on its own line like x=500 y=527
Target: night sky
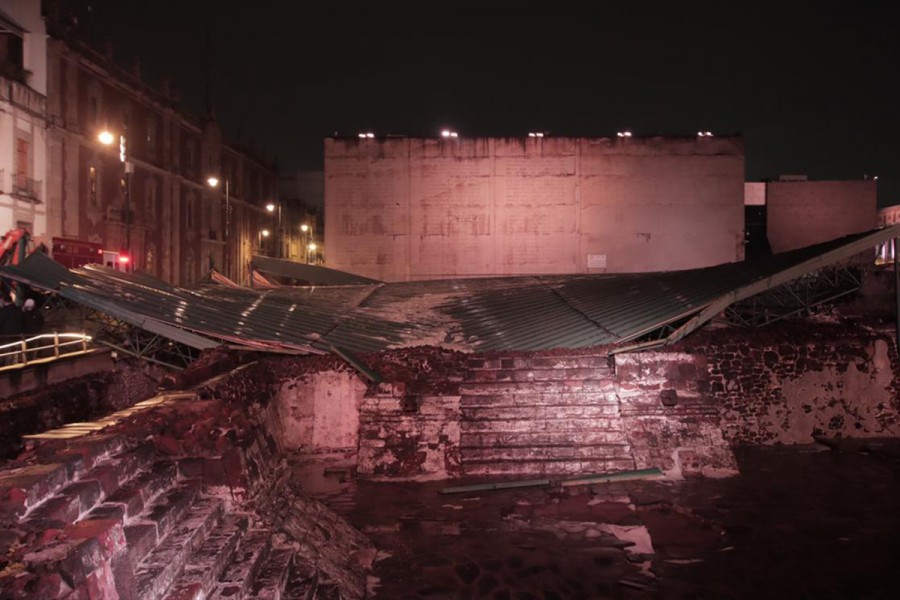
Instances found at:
x=813 y=87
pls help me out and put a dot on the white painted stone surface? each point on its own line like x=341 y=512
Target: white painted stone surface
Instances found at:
x=320 y=412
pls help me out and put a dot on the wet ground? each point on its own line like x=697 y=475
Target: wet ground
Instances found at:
x=817 y=522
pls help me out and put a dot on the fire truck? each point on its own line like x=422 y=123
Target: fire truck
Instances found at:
x=75 y=253
x=70 y=253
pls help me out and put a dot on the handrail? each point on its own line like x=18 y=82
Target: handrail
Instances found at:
x=27 y=351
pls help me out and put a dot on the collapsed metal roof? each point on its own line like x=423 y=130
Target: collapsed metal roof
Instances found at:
x=490 y=314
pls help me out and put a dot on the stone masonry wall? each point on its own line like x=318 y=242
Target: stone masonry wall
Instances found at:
x=77 y=399
x=671 y=420
x=401 y=440
x=793 y=382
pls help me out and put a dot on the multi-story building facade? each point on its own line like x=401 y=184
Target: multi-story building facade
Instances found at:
x=23 y=82
x=145 y=196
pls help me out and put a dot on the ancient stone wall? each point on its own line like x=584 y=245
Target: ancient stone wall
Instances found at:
x=77 y=399
x=408 y=440
x=670 y=419
x=794 y=382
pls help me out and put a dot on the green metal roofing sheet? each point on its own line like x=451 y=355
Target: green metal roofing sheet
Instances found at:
x=498 y=313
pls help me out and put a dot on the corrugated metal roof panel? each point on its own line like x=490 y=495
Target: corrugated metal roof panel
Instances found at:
x=498 y=313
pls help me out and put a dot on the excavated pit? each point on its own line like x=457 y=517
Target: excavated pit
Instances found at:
x=324 y=485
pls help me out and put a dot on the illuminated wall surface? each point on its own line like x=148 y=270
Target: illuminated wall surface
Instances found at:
x=410 y=208
x=803 y=213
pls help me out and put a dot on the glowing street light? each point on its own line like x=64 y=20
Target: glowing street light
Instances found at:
x=624 y=134
x=213 y=182
x=108 y=138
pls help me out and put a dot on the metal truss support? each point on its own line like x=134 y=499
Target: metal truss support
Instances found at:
x=139 y=343
x=796 y=297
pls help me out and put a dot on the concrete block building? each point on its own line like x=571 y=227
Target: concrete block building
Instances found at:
x=401 y=209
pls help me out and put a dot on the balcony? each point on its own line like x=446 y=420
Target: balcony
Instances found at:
x=25 y=187
x=22 y=96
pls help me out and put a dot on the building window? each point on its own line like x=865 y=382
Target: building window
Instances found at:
x=151 y=135
x=22 y=163
x=92 y=182
x=150 y=200
x=189 y=212
x=190 y=158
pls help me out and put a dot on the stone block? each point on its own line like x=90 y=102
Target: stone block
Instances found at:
x=88 y=493
x=22 y=489
x=108 y=532
x=106 y=475
x=141 y=539
x=64 y=508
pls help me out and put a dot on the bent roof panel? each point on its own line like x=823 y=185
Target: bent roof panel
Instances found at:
x=498 y=313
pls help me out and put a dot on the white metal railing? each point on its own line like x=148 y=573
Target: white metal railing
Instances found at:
x=42 y=348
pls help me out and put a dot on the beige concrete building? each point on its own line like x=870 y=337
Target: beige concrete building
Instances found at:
x=23 y=89
x=411 y=208
x=802 y=213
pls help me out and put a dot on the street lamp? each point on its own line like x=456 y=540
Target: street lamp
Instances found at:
x=214 y=182
x=278 y=233
x=264 y=233
x=107 y=138
x=305 y=230
x=311 y=248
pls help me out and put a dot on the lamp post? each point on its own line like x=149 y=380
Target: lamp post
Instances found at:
x=278 y=233
x=305 y=230
x=107 y=138
x=263 y=233
x=311 y=250
x=226 y=236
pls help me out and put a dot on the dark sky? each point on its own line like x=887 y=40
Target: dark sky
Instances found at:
x=813 y=87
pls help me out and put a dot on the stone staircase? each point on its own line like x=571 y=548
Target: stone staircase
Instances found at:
x=105 y=517
x=551 y=415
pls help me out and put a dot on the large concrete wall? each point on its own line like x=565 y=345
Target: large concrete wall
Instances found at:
x=803 y=213
x=407 y=208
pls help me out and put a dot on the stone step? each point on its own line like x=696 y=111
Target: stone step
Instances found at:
x=76 y=499
x=251 y=558
x=161 y=567
x=573 y=427
x=517 y=438
x=25 y=488
x=571 y=361
x=547 y=467
x=533 y=374
x=302 y=582
x=581 y=411
x=538 y=399
x=208 y=563
x=562 y=452
x=140 y=492
x=168 y=509
x=98 y=463
x=526 y=386
x=328 y=591
x=273 y=577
